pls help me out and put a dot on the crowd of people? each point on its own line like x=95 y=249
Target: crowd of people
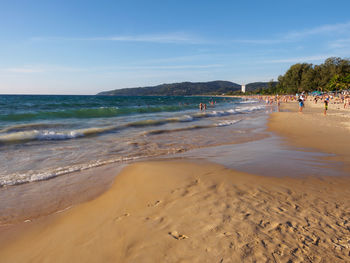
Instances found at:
x=342 y=98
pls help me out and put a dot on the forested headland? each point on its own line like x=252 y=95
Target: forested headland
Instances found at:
x=178 y=89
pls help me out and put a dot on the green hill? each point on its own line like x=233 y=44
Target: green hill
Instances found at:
x=178 y=89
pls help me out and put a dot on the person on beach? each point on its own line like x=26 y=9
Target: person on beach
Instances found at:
x=301 y=103
x=346 y=102
x=278 y=104
x=326 y=100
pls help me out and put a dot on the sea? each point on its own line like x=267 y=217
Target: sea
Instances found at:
x=45 y=136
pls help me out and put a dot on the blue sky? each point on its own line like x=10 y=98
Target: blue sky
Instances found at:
x=84 y=47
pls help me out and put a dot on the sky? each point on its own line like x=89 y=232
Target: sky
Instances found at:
x=85 y=47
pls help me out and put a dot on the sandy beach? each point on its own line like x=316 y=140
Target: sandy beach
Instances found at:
x=311 y=128
x=180 y=211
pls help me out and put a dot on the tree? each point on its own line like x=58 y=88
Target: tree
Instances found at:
x=332 y=74
x=338 y=82
x=331 y=67
x=297 y=78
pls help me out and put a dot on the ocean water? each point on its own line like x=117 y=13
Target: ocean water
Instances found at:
x=44 y=136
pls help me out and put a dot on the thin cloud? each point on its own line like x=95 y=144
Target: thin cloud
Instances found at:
x=24 y=70
x=340 y=28
x=259 y=41
x=299 y=59
x=33 y=69
x=185 y=38
x=182 y=59
x=170 y=38
x=340 y=43
x=171 y=67
x=40 y=69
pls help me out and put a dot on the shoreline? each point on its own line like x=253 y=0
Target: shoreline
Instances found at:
x=328 y=134
x=204 y=212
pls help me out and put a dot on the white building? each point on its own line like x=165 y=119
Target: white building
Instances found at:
x=243 y=88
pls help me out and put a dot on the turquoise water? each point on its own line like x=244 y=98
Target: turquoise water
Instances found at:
x=25 y=118
x=26 y=108
x=43 y=136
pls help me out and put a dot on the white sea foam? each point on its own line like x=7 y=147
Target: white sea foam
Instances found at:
x=184 y=118
x=243 y=109
x=249 y=109
x=33 y=176
x=249 y=101
x=38 y=135
x=227 y=123
x=218 y=113
x=51 y=135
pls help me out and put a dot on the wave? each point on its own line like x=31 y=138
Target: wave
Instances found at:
x=194 y=127
x=30 y=126
x=33 y=176
x=222 y=113
x=143 y=123
x=101 y=112
x=249 y=109
x=24 y=136
x=15 y=136
x=20 y=133
x=250 y=101
x=227 y=123
x=37 y=132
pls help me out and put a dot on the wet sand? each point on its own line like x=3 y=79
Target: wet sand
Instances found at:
x=311 y=128
x=33 y=200
x=179 y=211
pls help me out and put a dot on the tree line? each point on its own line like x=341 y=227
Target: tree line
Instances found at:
x=332 y=75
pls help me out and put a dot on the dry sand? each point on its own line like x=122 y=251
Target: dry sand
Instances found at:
x=176 y=211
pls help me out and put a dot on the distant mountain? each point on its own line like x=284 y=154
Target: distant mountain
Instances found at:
x=178 y=89
x=186 y=89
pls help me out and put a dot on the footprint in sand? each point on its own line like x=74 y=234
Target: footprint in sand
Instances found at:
x=177 y=236
x=156 y=203
x=121 y=217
